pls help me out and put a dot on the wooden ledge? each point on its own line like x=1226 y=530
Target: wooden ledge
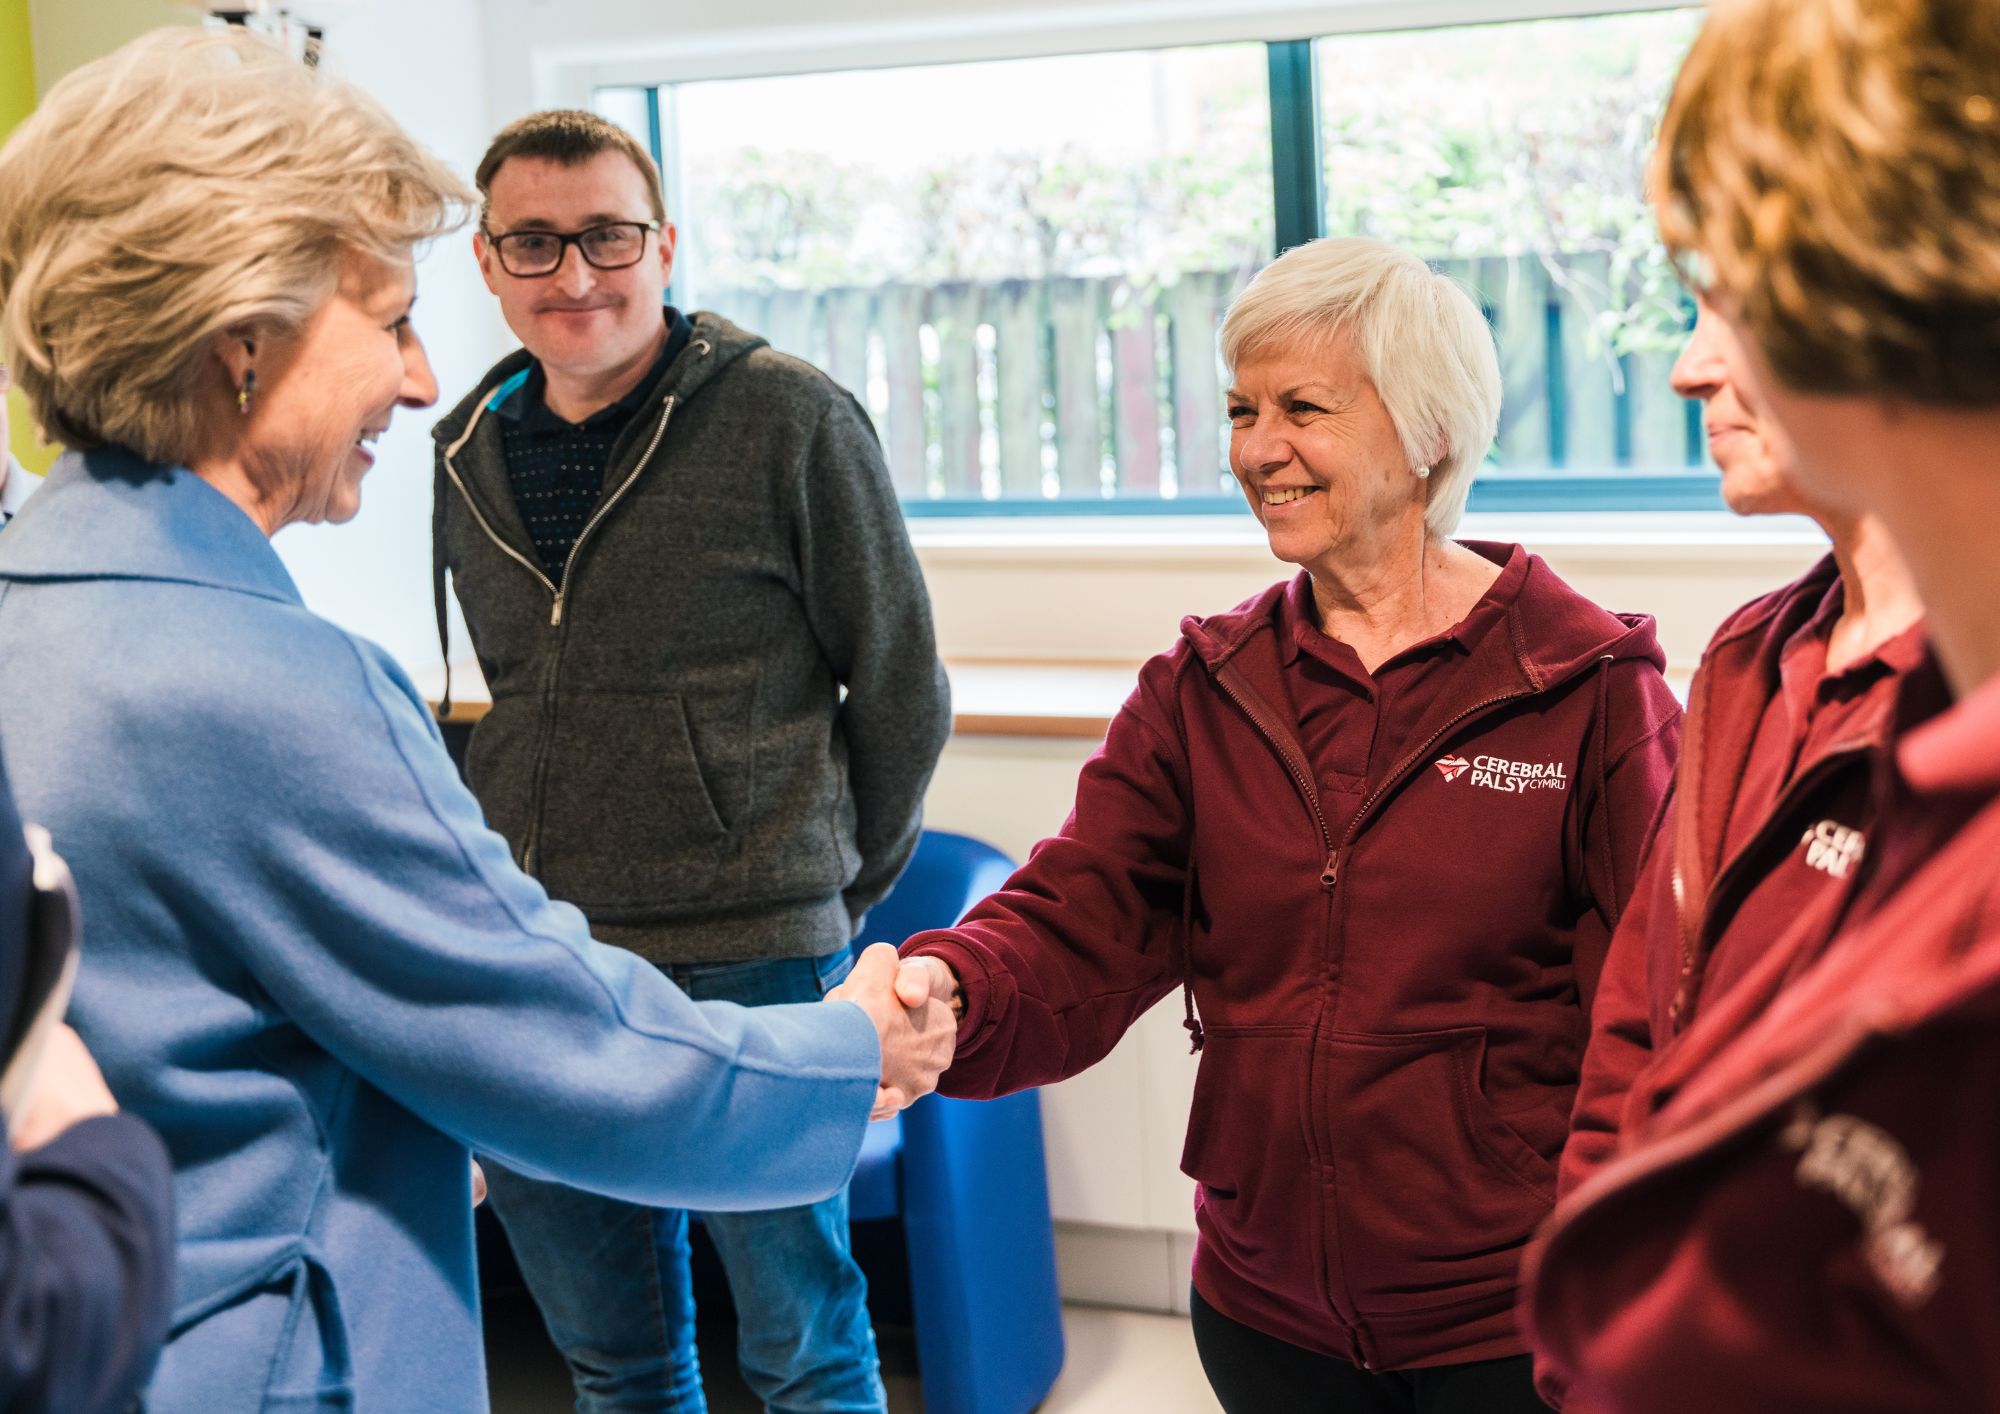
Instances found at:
x=998 y=697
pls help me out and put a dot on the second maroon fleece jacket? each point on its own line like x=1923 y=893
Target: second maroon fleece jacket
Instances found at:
x=1766 y=832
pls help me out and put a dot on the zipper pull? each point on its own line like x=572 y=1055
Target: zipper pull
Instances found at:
x=1331 y=871
x=555 y=611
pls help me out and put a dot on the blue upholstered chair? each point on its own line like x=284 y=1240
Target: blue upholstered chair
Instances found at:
x=967 y=1179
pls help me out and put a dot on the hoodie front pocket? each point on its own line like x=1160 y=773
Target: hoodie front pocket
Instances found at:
x=1437 y=1193
x=313 y=1369
x=627 y=820
x=268 y=1337
x=1246 y=1148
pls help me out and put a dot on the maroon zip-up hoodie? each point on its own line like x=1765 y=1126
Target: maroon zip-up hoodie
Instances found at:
x=1805 y=1218
x=1392 y=997
x=1707 y=905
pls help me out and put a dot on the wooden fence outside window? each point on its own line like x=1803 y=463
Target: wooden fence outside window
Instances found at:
x=1015 y=392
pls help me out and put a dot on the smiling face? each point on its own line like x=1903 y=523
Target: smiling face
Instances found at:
x=1752 y=450
x=1837 y=440
x=325 y=394
x=1318 y=457
x=579 y=321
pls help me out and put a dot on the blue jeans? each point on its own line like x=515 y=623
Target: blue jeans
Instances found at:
x=612 y=1278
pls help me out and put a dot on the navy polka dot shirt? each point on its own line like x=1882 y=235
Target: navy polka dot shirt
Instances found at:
x=556 y=467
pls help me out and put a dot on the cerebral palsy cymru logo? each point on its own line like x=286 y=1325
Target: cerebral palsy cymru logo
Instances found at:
x=1507 y=777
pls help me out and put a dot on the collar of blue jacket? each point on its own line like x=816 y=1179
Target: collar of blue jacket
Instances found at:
x=119 y=517
x=17 y=483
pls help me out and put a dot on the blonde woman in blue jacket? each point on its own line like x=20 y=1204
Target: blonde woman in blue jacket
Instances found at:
x=312 y=967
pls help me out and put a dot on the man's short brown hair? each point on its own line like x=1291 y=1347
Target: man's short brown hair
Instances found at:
x=1833 y=169
x=568 y=136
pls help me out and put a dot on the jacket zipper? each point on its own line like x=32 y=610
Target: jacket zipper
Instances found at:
x=1692 y=930
x=604 y=509
x=1402 y=768
x=531 y=847
x=479 y=517
x=1330 y=870
x=1317 y=1152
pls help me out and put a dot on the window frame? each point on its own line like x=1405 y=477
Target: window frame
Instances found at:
x=1298 y=182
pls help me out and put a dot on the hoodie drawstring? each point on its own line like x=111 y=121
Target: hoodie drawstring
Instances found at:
x=438 y=589
x=1607 y=857
x=1192 y=1022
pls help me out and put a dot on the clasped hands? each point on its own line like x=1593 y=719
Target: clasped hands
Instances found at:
x=914 y=1006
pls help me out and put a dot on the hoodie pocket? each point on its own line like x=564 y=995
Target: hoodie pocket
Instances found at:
x=313 y=1369
x=1246 y=1149
x=279 y=1323
x=627 y=820
x=1437 y=1193
x=500 y=765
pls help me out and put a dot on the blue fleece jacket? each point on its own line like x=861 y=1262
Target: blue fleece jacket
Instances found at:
x=321 y=978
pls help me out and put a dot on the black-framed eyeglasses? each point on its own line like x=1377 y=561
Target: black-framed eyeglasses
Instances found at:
x=611 y=246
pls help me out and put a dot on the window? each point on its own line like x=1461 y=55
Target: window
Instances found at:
x=1020 y=266
x=1513 y=156
x=1017 y=266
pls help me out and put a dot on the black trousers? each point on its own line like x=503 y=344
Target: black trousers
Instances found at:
x=1254 y=1373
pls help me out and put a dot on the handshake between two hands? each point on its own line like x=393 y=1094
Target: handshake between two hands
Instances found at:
x=914 y=1005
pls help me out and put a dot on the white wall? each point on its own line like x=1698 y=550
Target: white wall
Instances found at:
x=426 y=64
x=637 y=40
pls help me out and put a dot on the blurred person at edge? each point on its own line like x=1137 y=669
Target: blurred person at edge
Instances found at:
x=313 y=968
x=1801 y=1215
x=720 y=754
x=86 y=1194
x=17 y=483
x=1789 y=722
x=1379 y=822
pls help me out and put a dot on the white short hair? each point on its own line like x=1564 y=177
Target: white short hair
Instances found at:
x=1421 y=340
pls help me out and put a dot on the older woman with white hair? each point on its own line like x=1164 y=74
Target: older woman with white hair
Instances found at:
x=1378 y=822
x=311 y=966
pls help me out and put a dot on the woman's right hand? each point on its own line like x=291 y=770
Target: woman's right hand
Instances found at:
x=917 y=1040
x=924 y=979
x=67 y=1089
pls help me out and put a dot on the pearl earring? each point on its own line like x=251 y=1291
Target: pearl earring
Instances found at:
x=1422 y=472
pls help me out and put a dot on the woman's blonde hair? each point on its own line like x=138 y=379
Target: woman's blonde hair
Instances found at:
x=1421 y=340
x=187 y=185
x=1830 y=172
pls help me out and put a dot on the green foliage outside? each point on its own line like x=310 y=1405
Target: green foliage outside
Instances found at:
x=1527 y=140
x=1514 y=155
x=804 y=219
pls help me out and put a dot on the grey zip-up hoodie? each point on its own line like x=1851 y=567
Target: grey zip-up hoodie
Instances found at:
x=669 y=746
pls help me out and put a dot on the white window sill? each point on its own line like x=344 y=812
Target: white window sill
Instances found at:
x=1648 y=535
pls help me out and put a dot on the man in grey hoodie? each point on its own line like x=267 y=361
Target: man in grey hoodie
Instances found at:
x=716 y=704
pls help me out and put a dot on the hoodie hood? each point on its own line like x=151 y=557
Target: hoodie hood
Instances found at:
x=1554 y=632
x=716 y=345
